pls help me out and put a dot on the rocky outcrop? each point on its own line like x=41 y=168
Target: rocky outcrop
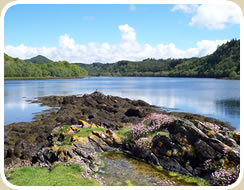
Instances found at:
x=180 y=144
x=97 y=108
x=108 y=111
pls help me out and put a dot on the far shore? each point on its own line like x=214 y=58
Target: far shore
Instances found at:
x=47 y=78
x=40 y=78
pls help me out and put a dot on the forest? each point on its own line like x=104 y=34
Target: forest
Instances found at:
x=223 y=63
x=40 y=68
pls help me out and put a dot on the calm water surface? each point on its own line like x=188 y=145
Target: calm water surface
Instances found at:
x=210 y=97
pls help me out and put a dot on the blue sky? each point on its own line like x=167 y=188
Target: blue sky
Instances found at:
x=106 y=32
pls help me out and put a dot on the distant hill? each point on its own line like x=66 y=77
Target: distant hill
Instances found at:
x=15 y=68
x=223 y=63
x=38 y=60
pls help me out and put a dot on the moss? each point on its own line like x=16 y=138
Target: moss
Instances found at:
x=196 y=180
x=119 y=183
x=128 y=182
x=179 y=177
x=67 y=140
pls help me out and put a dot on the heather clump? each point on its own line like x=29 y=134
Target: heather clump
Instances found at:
x=213 y=126
x=151 y=123
x=223 y=173
x=225 y=176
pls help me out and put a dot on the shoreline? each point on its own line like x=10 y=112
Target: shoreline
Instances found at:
x=45 y=78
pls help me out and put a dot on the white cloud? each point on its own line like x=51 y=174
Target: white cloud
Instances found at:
x=211 y=16
x=128 y=33
x=24 y=52
x=216 y=17
x=185 y=8
x=127 y=49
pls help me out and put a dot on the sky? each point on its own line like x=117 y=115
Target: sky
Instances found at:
x=109 y=33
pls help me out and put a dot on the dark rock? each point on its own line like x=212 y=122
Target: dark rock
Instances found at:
x=154 y=159
x=174 y=166
x=9 y=153
x=234 y=156
x=93 y=167
x=163 y=142
x=91 y=117
x=74 y=121
x=198 y=171
x=197 y=133
x=19 y=148
x=216 y=144
x=134 y=112
x=140 y=103
x=226 y=140
x=107 y=124
x=204 y=150
x=71 y=153
x=189 y=168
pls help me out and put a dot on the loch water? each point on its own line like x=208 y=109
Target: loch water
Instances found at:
x=209 y=97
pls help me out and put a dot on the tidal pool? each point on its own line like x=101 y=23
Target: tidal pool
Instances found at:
x=120 y=170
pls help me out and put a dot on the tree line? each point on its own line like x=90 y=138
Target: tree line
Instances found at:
x=15 y=67
x=223 y=63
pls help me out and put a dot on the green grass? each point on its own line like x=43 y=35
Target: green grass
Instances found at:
x=61 y=175
x=85 y=132
x=124 y=133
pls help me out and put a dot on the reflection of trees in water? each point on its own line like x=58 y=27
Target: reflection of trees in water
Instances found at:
x=231 y=107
